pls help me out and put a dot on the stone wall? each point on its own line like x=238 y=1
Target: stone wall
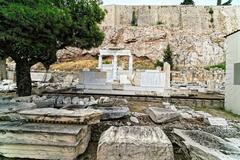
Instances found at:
x=195 y=33
x=194 y=18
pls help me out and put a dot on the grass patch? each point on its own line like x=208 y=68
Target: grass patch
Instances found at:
x=219 y=112
x=219 y=66
x=75 y=65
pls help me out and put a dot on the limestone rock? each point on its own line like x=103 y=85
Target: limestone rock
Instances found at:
x=134 y=143
x=162 y=115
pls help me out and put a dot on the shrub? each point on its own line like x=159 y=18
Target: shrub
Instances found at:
x=159 y=63
x=219 y=66
x=167 y=57
x=134 y=19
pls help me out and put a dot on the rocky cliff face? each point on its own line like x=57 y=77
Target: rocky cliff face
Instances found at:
x=195 y=34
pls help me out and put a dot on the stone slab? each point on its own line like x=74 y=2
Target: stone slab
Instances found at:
x=109 y=113
x=162 y=115
x=42 y=133
x=53 y=115
x=134 y=143
x=216 y=121
x=45 y=141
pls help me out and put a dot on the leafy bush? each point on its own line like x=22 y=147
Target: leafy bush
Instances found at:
x=159 y=63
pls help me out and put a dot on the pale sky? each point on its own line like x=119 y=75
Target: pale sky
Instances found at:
x=163 y=2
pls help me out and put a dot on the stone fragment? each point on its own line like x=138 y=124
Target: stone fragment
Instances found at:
x=216 y=121
x=166 y=103
x=75 y=100
x=204 y=114
x=205 y=146
x=162 y=115
x=235 y=141
x=171 y=107
x=7 y=85
x=134 y=120
x=67 y=100
x=134 y=143
x=59 y=100
x=185 y=115
x=109 y=113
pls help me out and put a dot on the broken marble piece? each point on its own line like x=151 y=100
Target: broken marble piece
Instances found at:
x=134 y=119
x=134 y=143
x=109 y=113
x=205 y=146
x=162 y=115
x=216 y=121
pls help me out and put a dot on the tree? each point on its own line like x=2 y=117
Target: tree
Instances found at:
x=167 y=57
x=32 y=31
x=228 y=3
x=219 y=3
x=134 y=19
x=187 y=2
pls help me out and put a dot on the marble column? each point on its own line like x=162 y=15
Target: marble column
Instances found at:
x=114 y=67
x=100 y=62
x=130 y=64
x=167 y=70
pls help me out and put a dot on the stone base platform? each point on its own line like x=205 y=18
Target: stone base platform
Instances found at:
x=43 y=141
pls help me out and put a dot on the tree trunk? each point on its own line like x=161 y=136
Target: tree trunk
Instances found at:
x=3 y=71
x=23 y=77
x=219 y=2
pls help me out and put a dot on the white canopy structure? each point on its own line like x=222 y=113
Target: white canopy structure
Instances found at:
x=115 y=53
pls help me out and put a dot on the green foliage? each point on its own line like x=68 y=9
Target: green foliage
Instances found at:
x=219 y=3
x=134 y=19
x=167 y=57
x=229 y=2
x=158 y=64
x=219 y=66
x=188 y=2
x=32 y=31
x=106 y=62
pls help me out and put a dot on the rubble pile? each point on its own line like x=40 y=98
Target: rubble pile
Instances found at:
x=166 y=131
